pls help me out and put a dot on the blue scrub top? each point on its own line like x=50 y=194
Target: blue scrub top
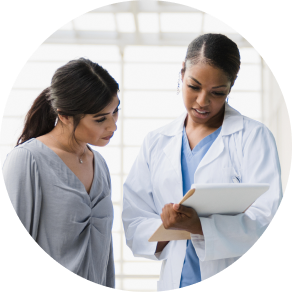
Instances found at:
x=190 y=160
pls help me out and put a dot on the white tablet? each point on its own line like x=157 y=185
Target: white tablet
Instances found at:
x=225 y=199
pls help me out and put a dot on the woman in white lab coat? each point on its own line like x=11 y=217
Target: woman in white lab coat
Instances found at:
x=239 y=150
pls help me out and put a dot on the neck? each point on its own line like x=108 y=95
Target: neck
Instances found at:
x=63 y=135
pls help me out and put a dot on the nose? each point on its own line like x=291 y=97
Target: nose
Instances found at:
x=202 y=99
x=112 y=127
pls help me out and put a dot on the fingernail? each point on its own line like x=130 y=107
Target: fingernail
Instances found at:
x=176 y=206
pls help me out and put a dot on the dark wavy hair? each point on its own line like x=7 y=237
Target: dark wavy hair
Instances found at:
x=78 y=88
x=216 y=50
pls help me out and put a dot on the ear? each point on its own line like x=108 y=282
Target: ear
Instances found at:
x=66 y=120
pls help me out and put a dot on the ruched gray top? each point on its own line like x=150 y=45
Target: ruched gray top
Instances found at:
x=72 y=226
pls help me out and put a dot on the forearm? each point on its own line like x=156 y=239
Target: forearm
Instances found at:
x=161 y=245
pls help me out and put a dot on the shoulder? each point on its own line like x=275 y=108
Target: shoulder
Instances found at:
x=99 y=160
x=97 y=155
x=255 y=131
x=21 y=153
x=165 y=132
x=20 y=163
x=253 y=126
x=234 y=121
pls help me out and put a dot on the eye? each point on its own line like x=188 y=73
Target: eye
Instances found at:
x=194 y=87
x=219 y=93
x=100 y=120
x=116 y=110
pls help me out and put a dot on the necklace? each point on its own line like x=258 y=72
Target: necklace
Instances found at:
x=79 y=157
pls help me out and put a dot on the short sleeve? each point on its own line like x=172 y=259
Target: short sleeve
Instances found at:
x=22 y=182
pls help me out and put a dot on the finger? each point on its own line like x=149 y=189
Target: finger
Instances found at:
x=169 y=216
x=183 y=209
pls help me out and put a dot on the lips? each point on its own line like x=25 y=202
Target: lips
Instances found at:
x=107 y=137
x=201 y=111
x=201 y=114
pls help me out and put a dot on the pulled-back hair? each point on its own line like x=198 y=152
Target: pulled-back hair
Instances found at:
x=216 y=50
x=78 y=88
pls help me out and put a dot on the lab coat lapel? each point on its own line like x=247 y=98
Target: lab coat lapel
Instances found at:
x=214 y=151
x=233 y=122
x=173 y=152
x=172 y=149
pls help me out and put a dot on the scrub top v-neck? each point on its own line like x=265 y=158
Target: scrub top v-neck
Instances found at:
x=190 y=160
x=72 y=226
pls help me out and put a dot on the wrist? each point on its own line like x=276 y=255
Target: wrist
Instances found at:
x=196 y=228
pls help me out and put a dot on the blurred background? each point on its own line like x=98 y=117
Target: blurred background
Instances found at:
x=142 y=44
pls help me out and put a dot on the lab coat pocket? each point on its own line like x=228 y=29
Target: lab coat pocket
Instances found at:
x=228 y=175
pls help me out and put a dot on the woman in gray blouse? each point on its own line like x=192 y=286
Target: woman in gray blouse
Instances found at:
x=59 y=186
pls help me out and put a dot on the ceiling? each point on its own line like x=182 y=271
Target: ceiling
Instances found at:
x=145 y=23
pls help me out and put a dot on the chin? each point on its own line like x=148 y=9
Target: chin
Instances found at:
x=101 y=143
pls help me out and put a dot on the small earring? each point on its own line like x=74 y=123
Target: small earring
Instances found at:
x=178 y=83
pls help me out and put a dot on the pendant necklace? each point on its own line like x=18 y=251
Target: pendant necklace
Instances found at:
x=79 y=157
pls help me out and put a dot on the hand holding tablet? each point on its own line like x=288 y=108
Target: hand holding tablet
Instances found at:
x=209 y=199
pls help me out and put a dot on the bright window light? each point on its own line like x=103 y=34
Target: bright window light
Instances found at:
x=11 y=130
x=249 y=78
x=20 y=101
x=67 y=52
x=141 y=104
x=126 y=22
x=181 y=22
x=117 y=245
x=117 y=215
x=95 y=22
x=142 y=268
x=148 y=22
x=212 y=24
x=151 y=76
x=116 y=188
x=154 y=54
x=130 y=154
x=249 y=55
x=135 y=130
x=36 y=75
x=247 y=103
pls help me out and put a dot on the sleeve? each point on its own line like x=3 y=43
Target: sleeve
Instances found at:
x=140 y=217
x=231 y=236
x=22 y=182
x=110 y=273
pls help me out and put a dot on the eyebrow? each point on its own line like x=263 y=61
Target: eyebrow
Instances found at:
x=104 y=114
x=201 y=84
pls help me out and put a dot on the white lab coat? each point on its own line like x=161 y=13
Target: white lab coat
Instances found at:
x=244 y=151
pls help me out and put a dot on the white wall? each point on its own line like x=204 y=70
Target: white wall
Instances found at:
x=275 y=117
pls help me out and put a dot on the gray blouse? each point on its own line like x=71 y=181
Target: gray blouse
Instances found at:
x=72 y=226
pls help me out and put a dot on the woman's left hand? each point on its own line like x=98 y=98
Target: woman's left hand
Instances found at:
x=176 y=216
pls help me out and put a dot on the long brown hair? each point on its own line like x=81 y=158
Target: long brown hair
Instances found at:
x=78 y=88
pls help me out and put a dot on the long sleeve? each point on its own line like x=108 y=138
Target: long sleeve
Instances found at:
x=231 y=236
x=23 y=186
x=140 y=217
x=110 y=274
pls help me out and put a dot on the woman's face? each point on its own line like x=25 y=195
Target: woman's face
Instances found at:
x=97 y=129
x=204 y=91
